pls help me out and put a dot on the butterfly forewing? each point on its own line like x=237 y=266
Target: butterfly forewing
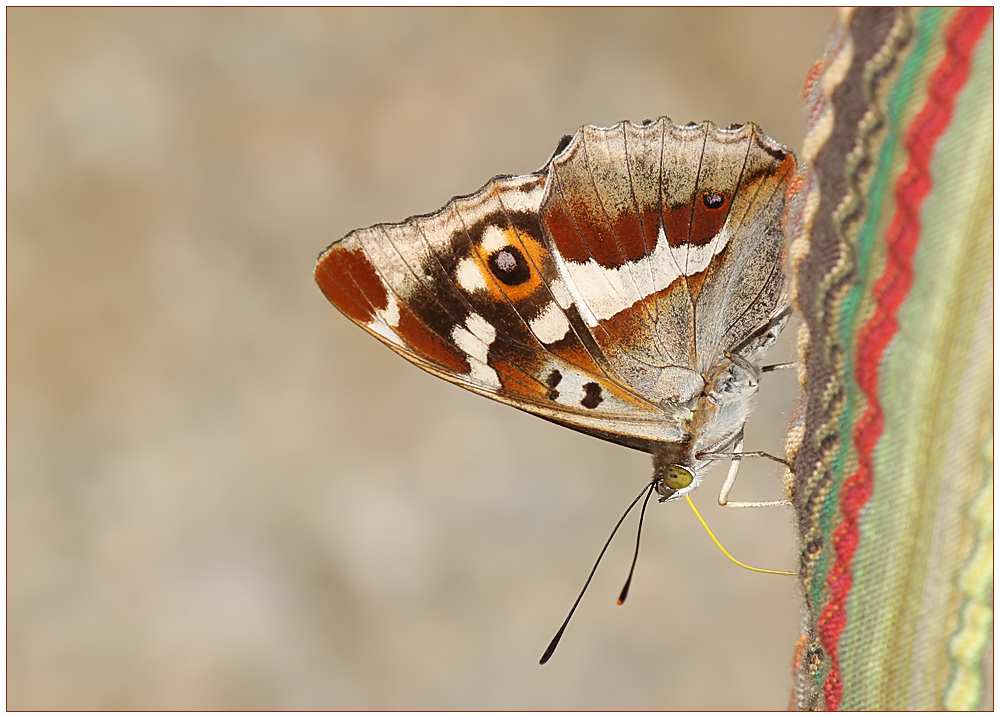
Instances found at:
x=470 y=294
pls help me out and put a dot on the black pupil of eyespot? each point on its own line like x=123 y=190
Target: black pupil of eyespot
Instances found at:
x=509 y=266
x=713 y=200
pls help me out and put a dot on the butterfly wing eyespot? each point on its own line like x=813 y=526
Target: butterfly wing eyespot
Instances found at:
x=509 y=265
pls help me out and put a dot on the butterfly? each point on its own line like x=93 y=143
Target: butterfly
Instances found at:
x=628 y=289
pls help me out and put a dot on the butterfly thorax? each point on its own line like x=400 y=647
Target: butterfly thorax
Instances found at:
x=709 y=421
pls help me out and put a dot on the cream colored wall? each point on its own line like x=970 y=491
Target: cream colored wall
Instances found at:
x=223 y=495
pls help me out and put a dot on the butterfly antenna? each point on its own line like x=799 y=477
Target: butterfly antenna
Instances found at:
x=555 y=640
x=635 y=557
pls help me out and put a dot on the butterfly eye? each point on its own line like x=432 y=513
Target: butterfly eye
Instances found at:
x=677 y=477
x=713 y=200
x=509 y=266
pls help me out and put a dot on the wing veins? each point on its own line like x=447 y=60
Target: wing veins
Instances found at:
x=687 y=251
x=732 y=203
x=777 y=266
x=654 y=308
x=602 y=364
x=604 y=273
x=627 y=265
x=669 y=250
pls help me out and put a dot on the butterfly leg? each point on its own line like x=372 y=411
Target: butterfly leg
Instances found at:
x=778 y=367
x=734 y=468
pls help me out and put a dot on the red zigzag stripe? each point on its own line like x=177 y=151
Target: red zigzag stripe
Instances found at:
x=903 y=236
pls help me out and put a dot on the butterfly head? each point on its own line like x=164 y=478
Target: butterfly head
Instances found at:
x=676 y=471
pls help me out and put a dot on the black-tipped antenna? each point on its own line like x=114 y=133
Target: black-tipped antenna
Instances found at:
x=635 y=557
x=555 y=640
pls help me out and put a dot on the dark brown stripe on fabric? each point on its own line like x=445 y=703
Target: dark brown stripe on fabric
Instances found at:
x=827 y=253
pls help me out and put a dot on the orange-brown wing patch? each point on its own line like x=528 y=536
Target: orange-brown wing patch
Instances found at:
x=351 y=283
x=421 y=339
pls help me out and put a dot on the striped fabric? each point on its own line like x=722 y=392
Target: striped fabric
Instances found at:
x=892 y=267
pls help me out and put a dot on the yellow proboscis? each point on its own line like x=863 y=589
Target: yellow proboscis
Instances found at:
x=726 y=552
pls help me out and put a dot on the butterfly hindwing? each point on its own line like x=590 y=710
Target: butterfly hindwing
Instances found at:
x=671 y=239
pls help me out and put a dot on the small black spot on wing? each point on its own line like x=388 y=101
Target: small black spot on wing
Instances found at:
x=552 y=380
x=592 y=395
x=713 y=200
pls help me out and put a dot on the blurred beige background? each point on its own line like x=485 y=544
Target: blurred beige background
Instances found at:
x=223 y=495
